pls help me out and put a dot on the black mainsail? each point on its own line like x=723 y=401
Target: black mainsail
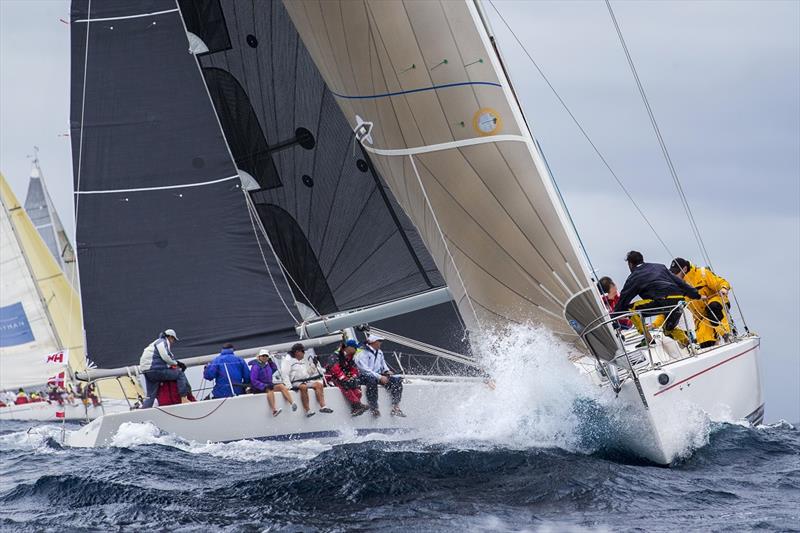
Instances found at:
x=164 y=237
x=219 y=190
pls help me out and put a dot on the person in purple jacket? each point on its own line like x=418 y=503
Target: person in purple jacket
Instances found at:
x=262 y=369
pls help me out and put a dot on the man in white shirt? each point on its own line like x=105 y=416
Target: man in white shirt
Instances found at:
x=157 y=364
x=304 y=374
x=373 y=371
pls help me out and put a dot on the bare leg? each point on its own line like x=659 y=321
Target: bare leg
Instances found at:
x=271 y=400
x=303 y=388
x=320 y=393
x=285 y=392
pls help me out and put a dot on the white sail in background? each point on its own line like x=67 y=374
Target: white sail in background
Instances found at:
x=44 y=216
x=27 y=334
x=446 y=133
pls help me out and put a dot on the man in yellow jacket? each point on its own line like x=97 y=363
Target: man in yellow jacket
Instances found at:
x=710 y=312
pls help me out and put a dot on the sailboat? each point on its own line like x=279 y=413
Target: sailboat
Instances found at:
x=41 y=335
x=314 y=165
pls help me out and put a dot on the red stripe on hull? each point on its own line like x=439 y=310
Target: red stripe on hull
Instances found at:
x=706 y=370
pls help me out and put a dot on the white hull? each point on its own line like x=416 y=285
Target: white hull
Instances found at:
x=249 y=417
x=723 y=382
x=47 y=412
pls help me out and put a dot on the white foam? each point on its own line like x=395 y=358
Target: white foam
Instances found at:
x=36 y=438
x=535 y=389
x=537 y=398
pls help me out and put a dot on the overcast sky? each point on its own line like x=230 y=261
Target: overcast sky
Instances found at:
x=724 y=82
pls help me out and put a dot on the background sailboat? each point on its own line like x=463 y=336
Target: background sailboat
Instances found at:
x=39 y=316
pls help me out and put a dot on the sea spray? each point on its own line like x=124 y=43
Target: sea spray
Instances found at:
x=540 y=399
x=535 y=390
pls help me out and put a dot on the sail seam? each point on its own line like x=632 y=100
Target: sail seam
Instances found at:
x=444 y=146
x=124 y=17
x=162 y=188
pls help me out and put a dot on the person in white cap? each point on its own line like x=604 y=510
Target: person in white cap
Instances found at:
x=263 y=380
x=373 y=371
x=158 y=364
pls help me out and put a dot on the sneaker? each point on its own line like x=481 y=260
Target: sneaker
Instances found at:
x=310 y=414
x=276 y=412
x=375 y=413
x=294 y=407
x=397 y=412
x=325 y=410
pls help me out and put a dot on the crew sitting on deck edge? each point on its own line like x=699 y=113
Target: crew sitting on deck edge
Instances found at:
x=661 y=292
x=262 y=372
x=229 y=372
x=373 y=370
x=344 y=373
x=710 y=317
x=157 y=364
x=305 y=374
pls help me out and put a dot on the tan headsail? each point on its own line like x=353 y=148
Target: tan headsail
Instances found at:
x=438 y=116
x=35 y=291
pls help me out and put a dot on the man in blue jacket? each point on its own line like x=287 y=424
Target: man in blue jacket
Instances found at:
x=661 y=292
x=229 y=372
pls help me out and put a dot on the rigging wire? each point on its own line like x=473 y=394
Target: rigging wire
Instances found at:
x=583 y=131
x=676 y=180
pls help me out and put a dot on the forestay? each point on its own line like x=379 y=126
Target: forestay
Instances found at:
x=447 y=135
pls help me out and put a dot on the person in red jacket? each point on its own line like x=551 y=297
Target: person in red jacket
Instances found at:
x=345 y=374
x=611 y=297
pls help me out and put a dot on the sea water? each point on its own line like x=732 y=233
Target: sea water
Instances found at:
x=542 y=455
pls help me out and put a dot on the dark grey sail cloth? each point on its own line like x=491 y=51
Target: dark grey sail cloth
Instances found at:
x=164 y=237
x=336 y=228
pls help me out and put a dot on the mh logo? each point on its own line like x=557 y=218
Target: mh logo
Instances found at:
x=55 y=358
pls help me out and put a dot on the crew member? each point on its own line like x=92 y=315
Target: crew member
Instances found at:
x=229 y=372
x=158 y=364
x=661 y=292
x=710 y=316
x=373 y=370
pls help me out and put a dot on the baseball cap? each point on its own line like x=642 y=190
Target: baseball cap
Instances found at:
x=171 y=333
x=263 y=351
x=352 y=343
x=374 y=338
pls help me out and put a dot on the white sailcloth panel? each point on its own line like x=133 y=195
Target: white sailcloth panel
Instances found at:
x=451 y=143
x=26 y=337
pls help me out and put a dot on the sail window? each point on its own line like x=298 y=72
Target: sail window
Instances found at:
x=299 y=261
x=242 y=128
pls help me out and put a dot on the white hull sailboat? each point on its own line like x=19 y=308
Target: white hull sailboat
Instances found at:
x=40 y=323
x=449 y=207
